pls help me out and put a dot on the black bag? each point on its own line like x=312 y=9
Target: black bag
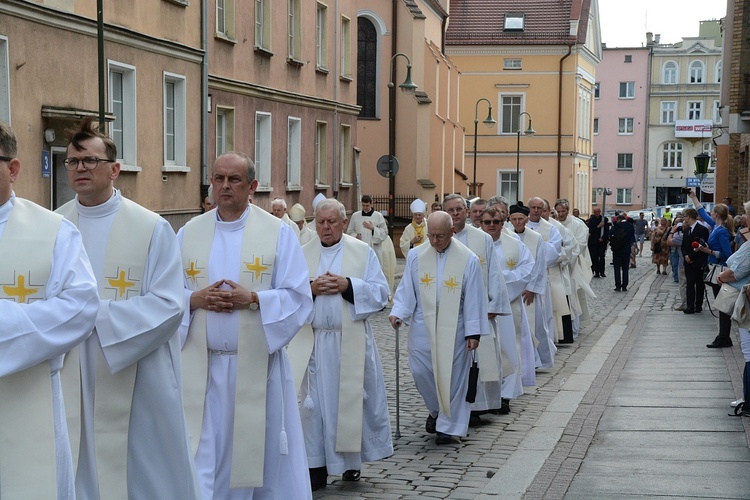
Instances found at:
x=617 y=239
x=471 y=394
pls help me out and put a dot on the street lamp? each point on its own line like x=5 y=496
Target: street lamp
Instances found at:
x=702 y=161
x=529 y=131
x=408 y=87
x=489 y=122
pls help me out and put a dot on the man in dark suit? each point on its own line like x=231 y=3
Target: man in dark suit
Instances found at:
x=695 y=261
x=598 y=237
x=622 y=237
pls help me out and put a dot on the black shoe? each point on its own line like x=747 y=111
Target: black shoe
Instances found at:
x=698 y=309
x=604 y=275
x=474 y=420
x=443 y=439
x=624 y=289
x=350 y=475
x=596 y=276
x=617 y=289
x=429 y=425
x=689 y=311
x=504 y=407
x=718 y=344
x=318 y=478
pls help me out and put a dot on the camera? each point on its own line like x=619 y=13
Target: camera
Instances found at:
x=703 y=242
x=685 y=190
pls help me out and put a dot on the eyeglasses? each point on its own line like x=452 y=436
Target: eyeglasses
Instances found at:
x=438 y=237
x=493 y=221
x=6 y=158
x=89 y=162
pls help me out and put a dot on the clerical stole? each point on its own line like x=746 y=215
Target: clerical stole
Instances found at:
x=259 y=239
x=122 y=279
x=441 y=314
x=418 y=231
x=354 y=260
x=27 y=430
x=532 y=240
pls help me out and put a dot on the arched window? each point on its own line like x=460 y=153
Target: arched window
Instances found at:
x=717 y=77
x=696 y=72
x=367 y=66
x=669 y=72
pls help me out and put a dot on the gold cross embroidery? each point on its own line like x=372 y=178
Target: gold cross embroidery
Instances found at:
x=193 y=272
x=256 y=267
x=451 y=284
x=20 y=291
x=510 y=264
x=121 y=283
x=427 y=280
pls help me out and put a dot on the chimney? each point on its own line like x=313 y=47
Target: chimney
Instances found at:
x=649 y=38
x=657 y=37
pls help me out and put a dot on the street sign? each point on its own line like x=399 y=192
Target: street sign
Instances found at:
x=46 y=164
x=384 y=165
x=692 y=182
x=708 y=185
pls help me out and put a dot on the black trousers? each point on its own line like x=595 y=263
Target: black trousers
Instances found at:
x=725 y=320
x=621 y=259
x=696 y=289
x=598 y=253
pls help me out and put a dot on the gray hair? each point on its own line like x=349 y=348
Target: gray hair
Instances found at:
x=479 y=202
x=453 y=196
x=249 y=164
x=279 y=201
x=331 y=203
x=498 y=200
x=8 y=143
x=564 y=202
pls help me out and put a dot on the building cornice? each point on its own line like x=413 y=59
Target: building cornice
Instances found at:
x=278 y=95
x=75 y=23
x=506 y=50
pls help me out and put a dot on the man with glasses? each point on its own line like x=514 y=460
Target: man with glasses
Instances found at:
x=442 y=297
x=132 y=432
x=48 y=305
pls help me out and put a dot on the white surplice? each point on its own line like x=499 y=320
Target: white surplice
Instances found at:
x=44 y=330
x=472 y=320
x=373 y=237
x=284 y=309
x=143 y=331
x=321 y=382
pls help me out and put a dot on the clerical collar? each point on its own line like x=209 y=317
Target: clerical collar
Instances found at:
x=105 y=209
x=332 y=248
x=7 y=207
x=368 y=214
x=232 y=225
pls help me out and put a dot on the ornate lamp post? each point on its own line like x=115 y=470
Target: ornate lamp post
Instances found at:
x=489 y=122
x=528 y=131
x=702 y=161
x=408 y=87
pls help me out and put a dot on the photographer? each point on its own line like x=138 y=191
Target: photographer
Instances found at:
x=718 y=248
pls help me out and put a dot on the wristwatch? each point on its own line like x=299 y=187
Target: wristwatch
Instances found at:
x=254 y=304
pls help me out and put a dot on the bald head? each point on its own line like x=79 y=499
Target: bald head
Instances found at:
x=440 y=230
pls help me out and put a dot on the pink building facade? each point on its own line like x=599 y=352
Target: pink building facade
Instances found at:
x=621 y=129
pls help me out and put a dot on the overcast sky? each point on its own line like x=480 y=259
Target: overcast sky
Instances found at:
x=625 y=24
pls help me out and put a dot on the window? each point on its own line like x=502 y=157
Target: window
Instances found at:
x=175 y=123
x=597 y=86
x=584 y=107
x=625 y=126
x=511 y=64
x=367 y=68
x=225 y=19
x=263 y=150
x=295 y=30
x=224 y=130
x=321 y=154
x=514 y=22
x=694 y=110
x=624 y=161
x=672 y=157
x=669 y=72
x=345 y=155
x=346 y=48
x=717 y=70
x=596 y=126
x=263 y=24
x=628 y=58
x=321 y=38
x=696 y=72
x=708 y=148
x=510 y=109
x=593 y=195
x=668 y=109
x=624 y=196
x=717 y=112
x=507 y=182
x=294 y=153
x=627 y=90
x=4 y=81
x=122 y=104
x=595 y=162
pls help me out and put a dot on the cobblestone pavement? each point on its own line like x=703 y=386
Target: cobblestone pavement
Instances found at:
x=420 y=468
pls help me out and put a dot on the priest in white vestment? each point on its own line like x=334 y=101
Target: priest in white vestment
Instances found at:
x=369 y=226
x=414 y=233
x=442 y=298
x=133 y=438
x=536 y=296
x=335 y=360
x=279 y=209
x=48 y=305
x=489 y=354
x=297 y=213
x=248 y=292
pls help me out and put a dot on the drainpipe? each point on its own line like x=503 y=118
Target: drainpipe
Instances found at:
x=559 y=118
x=204 y=95
x=646 y=168
x=337 y=129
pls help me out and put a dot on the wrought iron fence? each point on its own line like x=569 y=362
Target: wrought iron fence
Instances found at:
x=402 y=211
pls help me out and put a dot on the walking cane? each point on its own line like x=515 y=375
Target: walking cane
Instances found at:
x=398 y=385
